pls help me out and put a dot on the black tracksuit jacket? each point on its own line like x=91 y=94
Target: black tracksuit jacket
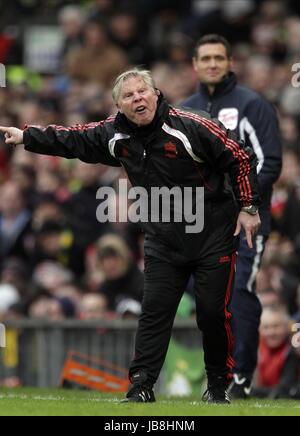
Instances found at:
x=179 y=148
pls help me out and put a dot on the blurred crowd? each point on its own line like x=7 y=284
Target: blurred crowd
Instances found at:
x=56 y=260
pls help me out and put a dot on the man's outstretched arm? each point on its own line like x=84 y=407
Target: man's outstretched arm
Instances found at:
x=88 y=143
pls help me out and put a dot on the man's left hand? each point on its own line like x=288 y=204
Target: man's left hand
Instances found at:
x=250 y=224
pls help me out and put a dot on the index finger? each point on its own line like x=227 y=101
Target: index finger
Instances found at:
x=4 y=129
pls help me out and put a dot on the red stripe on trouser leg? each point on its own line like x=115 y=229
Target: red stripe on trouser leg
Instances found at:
x=228 y=317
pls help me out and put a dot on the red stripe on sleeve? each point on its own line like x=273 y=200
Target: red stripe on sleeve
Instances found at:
x=238 y=153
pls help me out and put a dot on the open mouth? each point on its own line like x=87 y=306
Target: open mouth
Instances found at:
x=141 y=109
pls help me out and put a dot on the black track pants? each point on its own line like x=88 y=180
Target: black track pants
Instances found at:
x=164 y=287
x=246 y=307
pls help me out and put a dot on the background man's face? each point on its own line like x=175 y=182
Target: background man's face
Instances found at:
x=212 y=63
x=138 y=101
x=274 y=329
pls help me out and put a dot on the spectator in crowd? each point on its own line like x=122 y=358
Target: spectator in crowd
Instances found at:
x=290 y=226
x=278 y=367
x=9 y=296
x=50 y=181
x=177 y=81
x=269 y=297
x=258 y=72
x=46 y=307
x=52 y=237
x=82 y=206
x=122 y=278
x=70 y=291
x=16 y=273
x=48 y=242
x=20 y=158
x=25 y=177
x=280 y=274
x=93 y=307
x=265 y=33
x=47 y=208
x=80 y=211
x=99 y=60
x=51 y=276
x=290 y=134
x=165 y=22
x=15 y=221
x=179 y=49
x=230 y=18
x=283 y=190
x=72 y=20
x=124 y=33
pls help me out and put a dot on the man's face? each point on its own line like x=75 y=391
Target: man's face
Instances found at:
x=11 y=203
x=212 y=64
x=274 y=329
x=93 y=307
x=138 y=101
x=113 y=267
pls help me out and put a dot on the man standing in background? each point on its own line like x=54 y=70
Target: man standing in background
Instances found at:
x=254 y=120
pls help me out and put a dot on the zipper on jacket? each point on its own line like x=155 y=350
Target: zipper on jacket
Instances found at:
x=145 y=161
x=209 y=106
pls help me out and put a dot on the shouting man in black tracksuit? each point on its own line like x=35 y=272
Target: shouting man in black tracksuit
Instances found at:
x=163 y=147
x=252 y=119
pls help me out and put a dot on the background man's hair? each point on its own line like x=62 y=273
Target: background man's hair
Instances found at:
x=278 y=309
x=135 y=72
x=213 y=39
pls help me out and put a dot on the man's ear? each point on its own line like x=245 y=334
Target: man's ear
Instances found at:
x=195 y=64
x=157 y=92
x=119 y=108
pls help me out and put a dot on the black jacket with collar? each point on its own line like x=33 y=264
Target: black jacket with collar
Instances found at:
x=179 y=148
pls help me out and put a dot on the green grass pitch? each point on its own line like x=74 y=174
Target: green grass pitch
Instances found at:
x=45 y=402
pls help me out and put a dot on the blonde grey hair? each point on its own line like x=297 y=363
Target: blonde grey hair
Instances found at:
x=135 y=72
x=277 y=309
